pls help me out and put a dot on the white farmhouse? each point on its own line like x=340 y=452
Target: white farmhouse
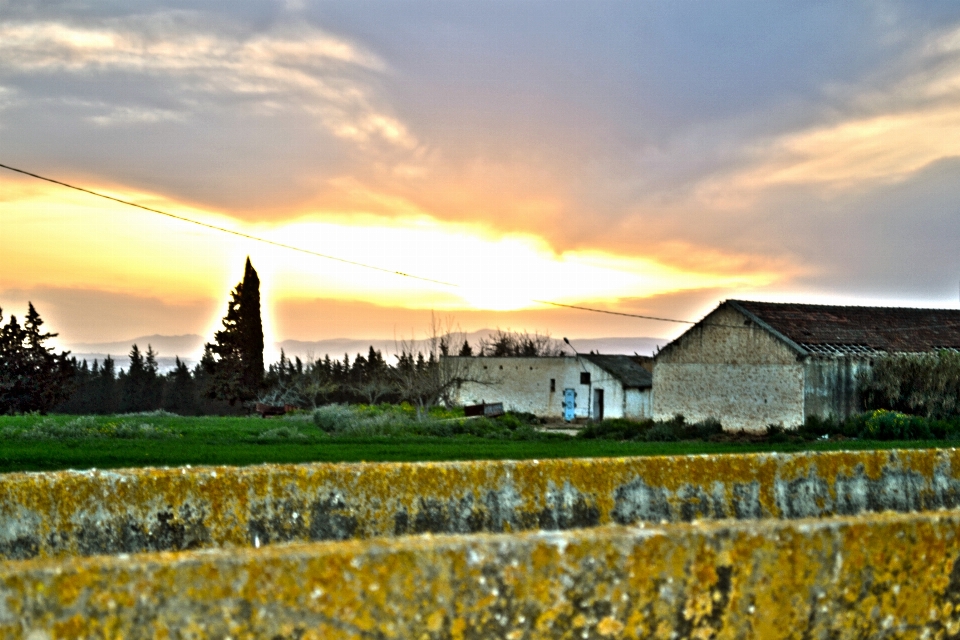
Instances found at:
x=602 y=386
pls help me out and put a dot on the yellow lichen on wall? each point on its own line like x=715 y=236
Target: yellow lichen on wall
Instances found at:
x=849 y=577
x=87 y=513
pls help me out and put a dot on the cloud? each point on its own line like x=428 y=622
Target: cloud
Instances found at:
x=291 y=65
x=769 y=148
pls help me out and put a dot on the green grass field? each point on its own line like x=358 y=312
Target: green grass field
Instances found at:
x=36 y=443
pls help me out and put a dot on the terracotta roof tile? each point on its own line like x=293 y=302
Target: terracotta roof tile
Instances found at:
x=860 y=329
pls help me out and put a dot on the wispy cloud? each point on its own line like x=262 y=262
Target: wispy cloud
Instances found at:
x=292 y=66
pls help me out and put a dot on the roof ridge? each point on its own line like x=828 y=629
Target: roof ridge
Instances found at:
x=839 y=306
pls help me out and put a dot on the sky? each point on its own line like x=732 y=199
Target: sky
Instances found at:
x=648 y=158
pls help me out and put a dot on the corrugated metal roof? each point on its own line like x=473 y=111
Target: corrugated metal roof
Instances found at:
x=623 y=368
x=841 y=330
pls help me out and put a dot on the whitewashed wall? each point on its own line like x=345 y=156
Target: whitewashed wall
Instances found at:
x=523 y=384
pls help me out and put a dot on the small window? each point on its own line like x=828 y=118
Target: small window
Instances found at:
x=584 y=377
x=553 y=385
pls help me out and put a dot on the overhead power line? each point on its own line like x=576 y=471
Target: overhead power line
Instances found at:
x=317 y=254
x=225 y=230
x=612 y=313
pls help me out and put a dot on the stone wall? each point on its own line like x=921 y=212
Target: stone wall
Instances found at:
x=878 y=576
x=87 y=513
x=729 y=369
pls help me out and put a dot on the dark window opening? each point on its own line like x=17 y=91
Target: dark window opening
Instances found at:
x=584 y=377
x=553 y=385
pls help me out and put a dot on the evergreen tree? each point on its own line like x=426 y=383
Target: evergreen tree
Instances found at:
x=234 y=360
x=83 y=399
x=180 y=392
x=141 y=388
x=107 y=396
x=32 y=377
x=466 y=350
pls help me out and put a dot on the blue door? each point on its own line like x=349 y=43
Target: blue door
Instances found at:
x=569 y=404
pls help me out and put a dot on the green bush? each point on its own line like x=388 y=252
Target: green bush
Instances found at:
x=401 y=421
x=334 y=418
x=89 y=427
x=283 y=434
x=662 y=432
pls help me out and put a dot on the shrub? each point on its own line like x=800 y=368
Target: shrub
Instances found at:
x=334 y=418
x=703 y=430
x=88 y=427
x=282 y=434
x=776 y=433
x=400 y=421
x=662 y=432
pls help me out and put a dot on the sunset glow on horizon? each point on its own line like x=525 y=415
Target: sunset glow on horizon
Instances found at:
x=646 y=159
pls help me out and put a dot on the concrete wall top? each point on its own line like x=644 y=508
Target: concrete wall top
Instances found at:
x=878 y=576
x=101 y=512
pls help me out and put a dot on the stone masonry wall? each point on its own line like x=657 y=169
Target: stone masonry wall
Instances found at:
x=730 y=370
x=878 y=576
x=71 y=513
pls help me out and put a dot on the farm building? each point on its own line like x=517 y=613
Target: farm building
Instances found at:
x=600 y=386
x=752 y=364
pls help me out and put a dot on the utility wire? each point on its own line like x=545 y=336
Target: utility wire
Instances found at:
x=381 y=269
x=307 y=251
x=613 y=313
x=225 y=230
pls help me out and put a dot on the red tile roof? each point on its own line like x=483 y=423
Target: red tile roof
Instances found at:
x=826 y=328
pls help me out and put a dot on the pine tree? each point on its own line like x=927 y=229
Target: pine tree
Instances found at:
x=235 y=359
x=180 y=392
x=133 y=383
x=107 y=396
x=32 y=377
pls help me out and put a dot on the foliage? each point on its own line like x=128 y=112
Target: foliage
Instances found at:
x=141 y=387
x=32 y=376
x=87 y=427
x=673 y=430
x=234 y=360
x=513 y=344
x=926 y=384
x=403 y=421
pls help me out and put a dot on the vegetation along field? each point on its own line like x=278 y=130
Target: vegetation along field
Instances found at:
x=340 y=433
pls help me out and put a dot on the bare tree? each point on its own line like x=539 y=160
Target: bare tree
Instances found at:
x=511 y=343
x=424 y=375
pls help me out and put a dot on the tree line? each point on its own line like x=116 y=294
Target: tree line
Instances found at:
x=231 y=376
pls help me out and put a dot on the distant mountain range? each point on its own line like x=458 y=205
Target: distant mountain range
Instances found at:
x=190 y=347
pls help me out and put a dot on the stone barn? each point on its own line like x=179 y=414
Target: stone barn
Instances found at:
x=604 y=386
x=752 y=364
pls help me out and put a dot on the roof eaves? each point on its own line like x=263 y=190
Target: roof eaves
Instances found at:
x=600 y=361
x=790 y=343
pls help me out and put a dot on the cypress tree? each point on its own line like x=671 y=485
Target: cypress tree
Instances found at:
x=251 y=330
x=234 y=360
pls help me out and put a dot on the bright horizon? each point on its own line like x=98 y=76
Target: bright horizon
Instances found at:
x=652 y=159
